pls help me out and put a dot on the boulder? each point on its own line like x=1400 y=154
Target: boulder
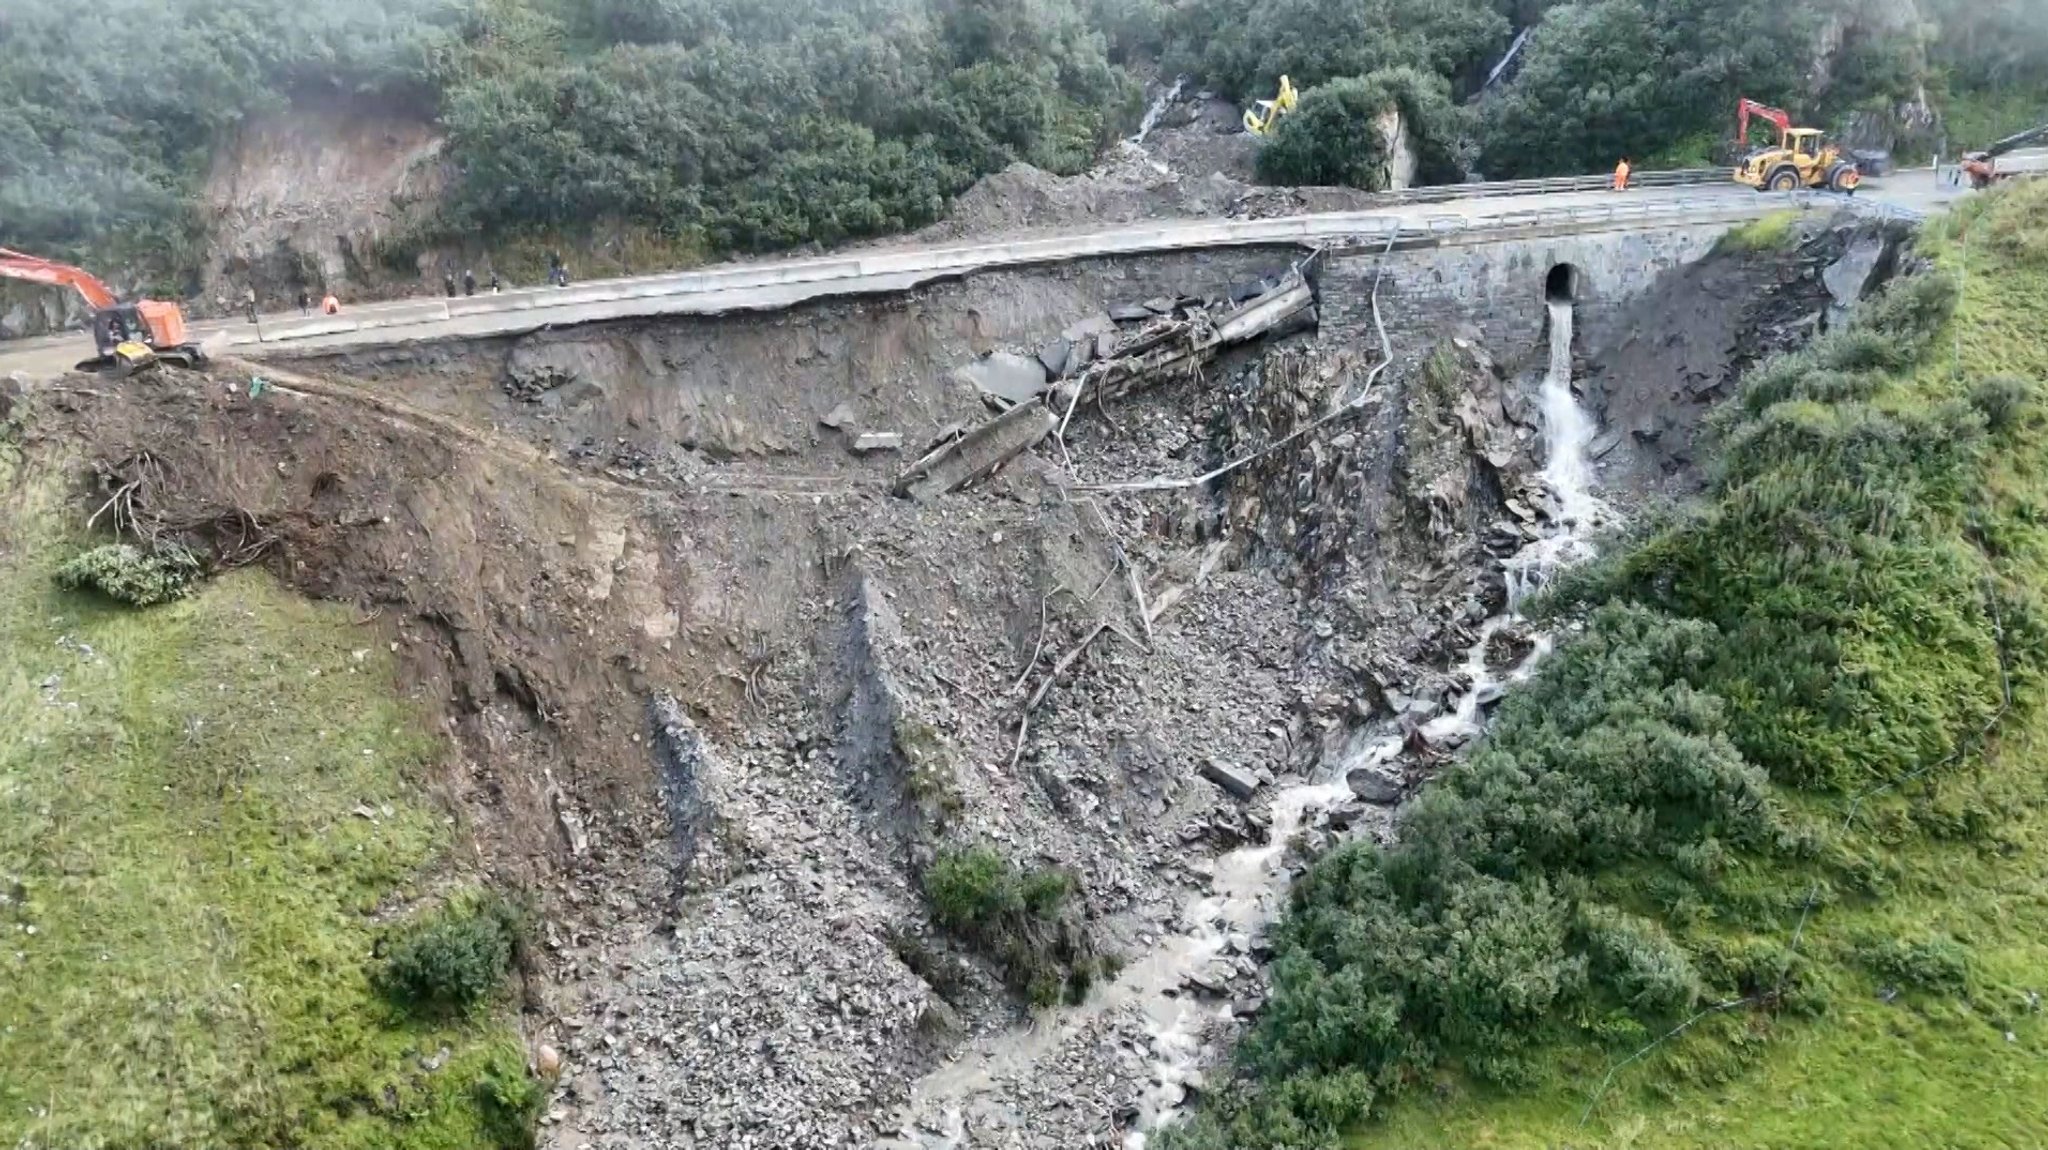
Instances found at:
x=1343 y=818
x=1009 y=379
x=1376 y=784
x=841 y=418
x=1239 y=782
x=1850 y=277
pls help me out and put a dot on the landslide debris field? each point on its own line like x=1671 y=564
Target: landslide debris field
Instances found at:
x=817 y=793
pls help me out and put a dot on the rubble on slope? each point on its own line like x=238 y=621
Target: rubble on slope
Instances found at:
x=721 y=697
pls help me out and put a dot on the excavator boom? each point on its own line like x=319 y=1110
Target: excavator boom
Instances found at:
x=2035 y=135
x=1745 y=109
x=35 y=269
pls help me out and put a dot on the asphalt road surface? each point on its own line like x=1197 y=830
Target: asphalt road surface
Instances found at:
x=775 y=284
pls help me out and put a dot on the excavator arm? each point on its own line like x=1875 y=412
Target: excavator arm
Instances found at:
x=35 y=269
x=2036 y=135
x=1746 y=109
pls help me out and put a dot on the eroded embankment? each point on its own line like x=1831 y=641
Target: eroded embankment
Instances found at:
x=730 y=707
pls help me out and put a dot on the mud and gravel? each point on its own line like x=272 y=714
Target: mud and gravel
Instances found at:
x=1683 y=345
x=718 y=699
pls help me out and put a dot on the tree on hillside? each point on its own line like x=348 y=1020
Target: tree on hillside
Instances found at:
x=1992 y=43
x=1610 y=78
x=1244 y=48
x=1336 y=135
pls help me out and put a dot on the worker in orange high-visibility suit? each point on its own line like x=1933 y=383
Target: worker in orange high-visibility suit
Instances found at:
x=1621 y=171
x=330 y=305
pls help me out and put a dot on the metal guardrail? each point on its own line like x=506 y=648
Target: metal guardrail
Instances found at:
x=1673 y=178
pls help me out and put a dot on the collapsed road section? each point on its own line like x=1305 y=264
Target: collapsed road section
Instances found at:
x=858 y=817
x=1178 y=339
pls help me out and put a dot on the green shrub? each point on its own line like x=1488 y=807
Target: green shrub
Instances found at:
x=1936 y=964
x=971 y=889
x=2005 y=403
x=1774 y=232
x=509 y=1099
x=130 y=575
x=1334 y=136
x=1637 y=960
x=1021 y=919
x=454 y=958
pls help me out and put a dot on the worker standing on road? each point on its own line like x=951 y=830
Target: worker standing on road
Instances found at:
x=496 y=284
x=305 y=301
x=448 y=283
x=249 y=300
x=1621 y=173
x=468 y=282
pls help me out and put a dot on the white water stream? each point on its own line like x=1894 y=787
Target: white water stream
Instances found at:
x=1250 y=884
x=1158 y=109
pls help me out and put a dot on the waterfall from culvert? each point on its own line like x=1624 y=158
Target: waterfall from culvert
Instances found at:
x=1567 y=432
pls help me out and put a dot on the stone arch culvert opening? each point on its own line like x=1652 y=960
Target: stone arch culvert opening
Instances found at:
x=1562 y=285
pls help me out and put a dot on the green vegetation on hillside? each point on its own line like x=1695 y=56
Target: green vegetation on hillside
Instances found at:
x=206 y=808
x=729 y=123
x=1334 y=137
x=1764 y=795
x=704 y=126
x=1244 y=47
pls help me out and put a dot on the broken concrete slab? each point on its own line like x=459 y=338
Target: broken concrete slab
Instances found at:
x=1130 y=313
x=1009 y=378
x=1080 y=355
x=1268 y=311
x=1240 y=783
x=870 y=441
x=979 y=452
x=1056 y=357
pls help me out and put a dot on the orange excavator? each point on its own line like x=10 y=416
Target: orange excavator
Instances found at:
x=128 y=337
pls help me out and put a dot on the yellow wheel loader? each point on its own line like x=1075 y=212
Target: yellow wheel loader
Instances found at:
x=1802 y=158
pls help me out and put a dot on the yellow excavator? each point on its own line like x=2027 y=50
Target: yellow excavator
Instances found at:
x=1802 y=158
x=1259 y=121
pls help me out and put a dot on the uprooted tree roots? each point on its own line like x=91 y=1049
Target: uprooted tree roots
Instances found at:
x=138 y=504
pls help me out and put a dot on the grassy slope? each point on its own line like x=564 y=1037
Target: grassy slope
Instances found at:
x=177 y=828
x=1928 y=1068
